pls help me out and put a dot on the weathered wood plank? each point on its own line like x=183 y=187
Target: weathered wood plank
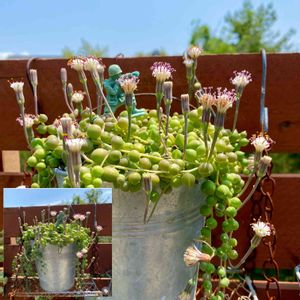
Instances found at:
x=282 y=96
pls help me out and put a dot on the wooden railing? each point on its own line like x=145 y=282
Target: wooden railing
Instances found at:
x=282 y=99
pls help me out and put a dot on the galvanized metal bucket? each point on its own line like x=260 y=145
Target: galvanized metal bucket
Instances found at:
x=148 y=258
x=56 y=269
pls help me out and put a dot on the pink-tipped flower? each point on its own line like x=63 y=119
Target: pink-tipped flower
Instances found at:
x=53 y=213
x=81 y=217
x=241 y=79
x=261 y=229
x=76 y=216
x=206 y=98
x=224 y=100
x=194 y=52
x=79 y=254
x=128 y=83
x=99 y=228
x=193 y=255
x=76 y=63
x=261 y=142
x=29 y=120
x=92 y=64
x=162 y=71
x=77 y=97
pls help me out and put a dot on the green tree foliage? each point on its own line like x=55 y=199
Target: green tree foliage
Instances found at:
x=86 y=49
x=246 y=30
x=91 y=196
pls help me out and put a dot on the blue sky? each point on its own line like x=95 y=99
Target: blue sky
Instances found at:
x=42 y=197
x=45 y=27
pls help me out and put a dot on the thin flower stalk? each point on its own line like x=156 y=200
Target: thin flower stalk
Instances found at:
x=185 y=108
x=63 y=77
x=17 y=86
x=261 y=143
x=128 y=83
x=190 y=61
x=78 y=65
x=168 y=95
x=70 y=92
x=147 y=182
x=34 y=83
x=206 y=99
x=223 y=102
x=261 y=230
x=162 y=71
x=240 y=81
x=263 y=166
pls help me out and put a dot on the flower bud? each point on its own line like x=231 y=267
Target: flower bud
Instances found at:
x=33 y=77
x=63 y=75
x=263 y=165
x=185 y=103
x=147 y=180
x=70 y=90
x=168 y=90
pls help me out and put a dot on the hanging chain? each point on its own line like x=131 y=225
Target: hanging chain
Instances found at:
x=267 y=187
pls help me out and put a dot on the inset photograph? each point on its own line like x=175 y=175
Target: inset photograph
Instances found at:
x=57 y=242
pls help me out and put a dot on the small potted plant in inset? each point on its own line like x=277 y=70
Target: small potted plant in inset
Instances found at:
x=55 y=248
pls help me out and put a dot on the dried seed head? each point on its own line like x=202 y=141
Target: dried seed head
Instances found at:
x=193 y=255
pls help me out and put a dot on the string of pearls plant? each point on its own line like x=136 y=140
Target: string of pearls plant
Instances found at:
x=157 y=152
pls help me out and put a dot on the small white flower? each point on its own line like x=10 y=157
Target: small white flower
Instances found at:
x=74 y=145
x=76 y=63
x=77 y=97
x=188 y=62
x=29 y=120
x=194 y=52
x=162 y=71
x=99 y=228
x=91 y=64
x=53 y=213
x=206 y=98
x=224 y=100
x=84 y=251
x=81 y=217
x=128 y=83
x=76 y=216
x=17 y=86
x=241 y=79
x=79 y=254
x=260 y=143
x=261 y=229
x=193 y=255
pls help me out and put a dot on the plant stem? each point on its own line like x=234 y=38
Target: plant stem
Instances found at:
x=216 y=134
x=251 y=193
x=22 y=112
x=185 y=134
x=237 y=105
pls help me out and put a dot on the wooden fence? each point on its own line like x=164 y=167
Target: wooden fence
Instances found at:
x=282 y=99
